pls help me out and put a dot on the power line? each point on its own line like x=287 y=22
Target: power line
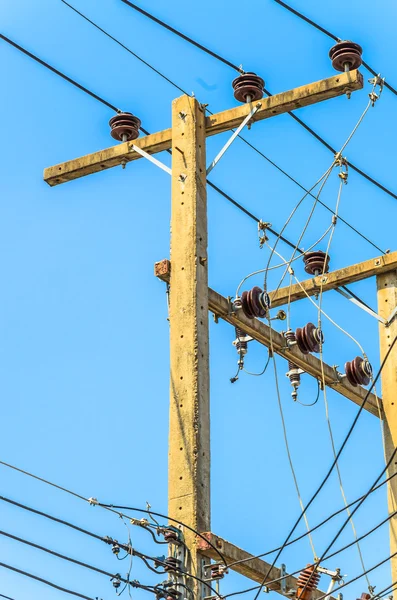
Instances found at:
x=53 y=585
x=95 y=502
x=221 y=192
x=67 y=558
x=332 y=36
x=59 y=73
x=107 y=539
x=267 y=92
x=7 y=597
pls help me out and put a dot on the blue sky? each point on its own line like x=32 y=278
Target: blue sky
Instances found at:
x=84 y=336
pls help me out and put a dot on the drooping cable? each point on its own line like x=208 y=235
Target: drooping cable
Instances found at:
x=94 y=502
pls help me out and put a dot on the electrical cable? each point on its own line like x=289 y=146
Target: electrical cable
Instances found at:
x=319 y=320
x=284 y=428
x=94 y=502
x=178 y=87
x=216 y=188
x=243 y=560
x=62 y=556
x=330 y=470
x=53 y=585
x=59 y=73
x=339 y=532
x=106 y=539
x=267 y=92
x=332 y=36
x=297 y=539
x=7 y=597
x=346 y=547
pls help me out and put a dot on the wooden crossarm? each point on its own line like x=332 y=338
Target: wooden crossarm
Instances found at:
x=255 y=568
x=268 y=337
x=335 y=279
x=218 y=123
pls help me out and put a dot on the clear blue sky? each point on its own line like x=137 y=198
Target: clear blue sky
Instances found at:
x=84 y=336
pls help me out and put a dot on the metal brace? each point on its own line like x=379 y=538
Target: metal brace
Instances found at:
x=233 y=137
x=151 y=159
x=362 y=306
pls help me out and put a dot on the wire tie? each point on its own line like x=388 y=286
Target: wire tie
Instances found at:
x=93 y=501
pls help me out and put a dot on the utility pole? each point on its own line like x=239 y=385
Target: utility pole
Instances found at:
x=191 y=298
x=387 y=303
x=189 y=437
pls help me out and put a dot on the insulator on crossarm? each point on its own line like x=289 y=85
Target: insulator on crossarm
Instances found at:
x=309 y=338
x=308 y=581
x=316 y=262
x=346 y=56
x=124 y=127
x=358 y=371
x=255 y=303
x=248 y=87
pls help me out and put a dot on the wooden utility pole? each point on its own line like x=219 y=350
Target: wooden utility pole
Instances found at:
x=387 y=303
x=189 y=436
x=191 y=298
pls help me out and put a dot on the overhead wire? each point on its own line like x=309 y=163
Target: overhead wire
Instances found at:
x=267 y=92
x=158 y=72
x=107 y=539
x=94 y=502
x=333 y=37
x=42 y=580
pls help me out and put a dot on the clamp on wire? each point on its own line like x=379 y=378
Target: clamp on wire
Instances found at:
x=376 y=81
x=262 y=226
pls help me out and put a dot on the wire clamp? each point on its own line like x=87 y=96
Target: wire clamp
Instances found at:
x=262 y=226
x=93 y=501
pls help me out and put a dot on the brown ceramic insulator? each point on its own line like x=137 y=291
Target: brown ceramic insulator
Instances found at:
x=307 y=582
x=255 y=303
x=346 y=52
x=358 y=371
x=246 y=85
x=124 y=124
x=308 y=338
x=364 y=596
x=217 y=571
x=172 y=564
x=316 y=262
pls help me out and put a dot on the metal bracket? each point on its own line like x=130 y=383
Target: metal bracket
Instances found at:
x=233 y=137
x=362 y=306
x=151 y=158
x=283 y=584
